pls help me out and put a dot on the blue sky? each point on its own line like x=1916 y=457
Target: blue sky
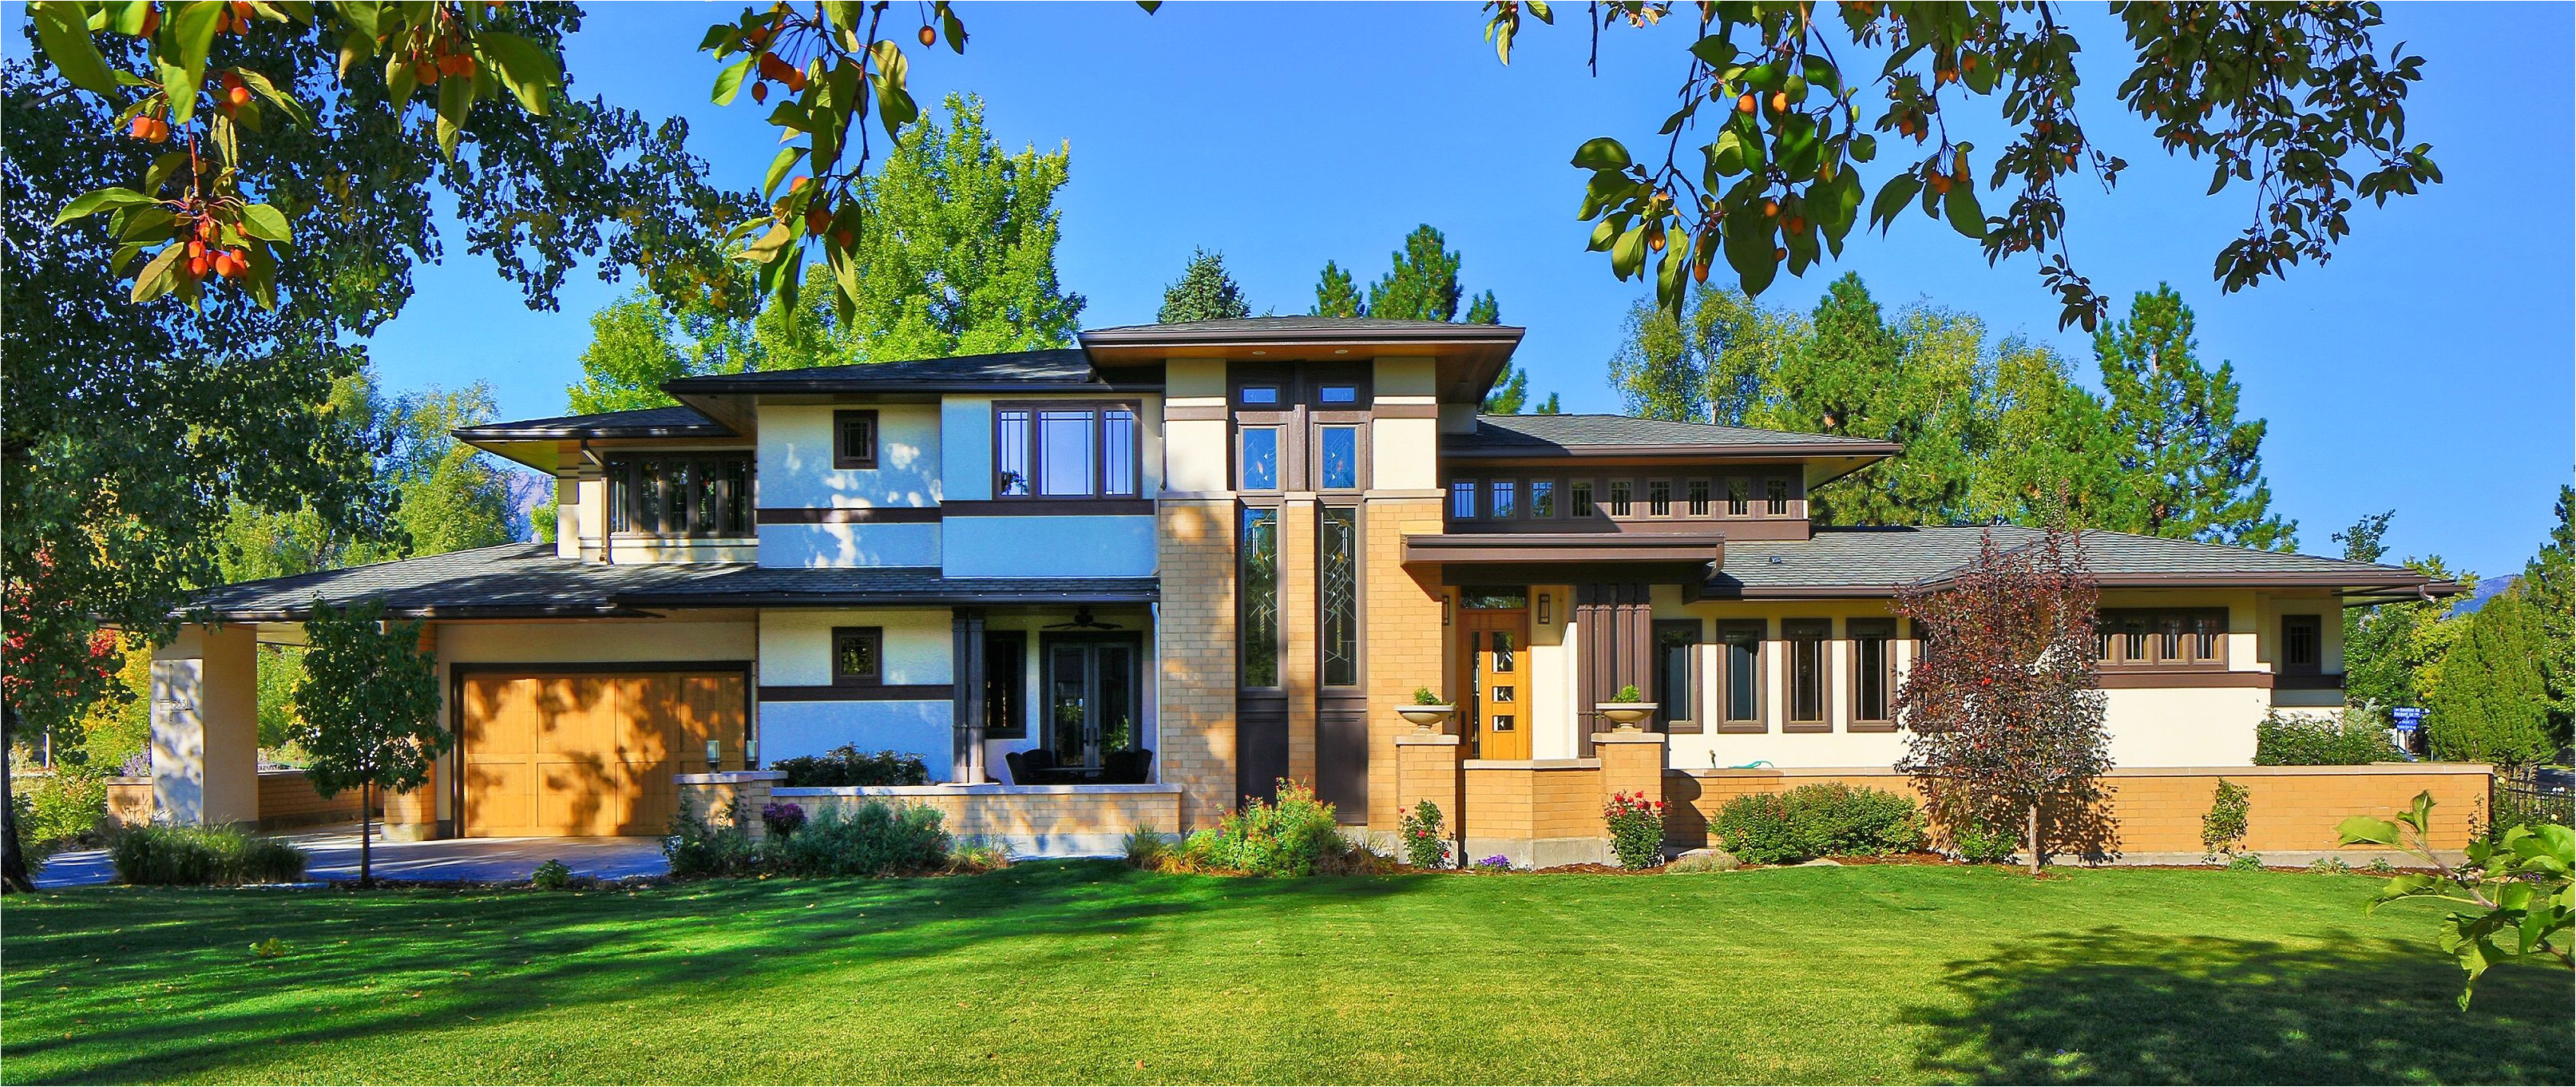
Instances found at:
x=2426 y=368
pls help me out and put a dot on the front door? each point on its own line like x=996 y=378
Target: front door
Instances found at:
x=1496 y=644
x=1092 y=707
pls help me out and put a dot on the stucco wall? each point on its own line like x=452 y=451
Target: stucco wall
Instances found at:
x=1050 y=545
x=594 y=640
x=796 y=470
x=850 y=545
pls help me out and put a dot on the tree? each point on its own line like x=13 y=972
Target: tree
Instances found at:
x=2189 y=470
x=2393 y=653
x=638 y=342
x=2363 y=542
x=1335 y=294
x=2516 y=885
x=2491 y=703
x=1422 y=285
x=2292 y=100
x=2002 y=712
x=1203 y=293
x=367 y=710
x=1712 y=361
x=2549 y=583
x=2049 y=450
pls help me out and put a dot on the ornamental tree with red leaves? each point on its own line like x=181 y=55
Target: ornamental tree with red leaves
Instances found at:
x=2002 y=710
x=79 y=661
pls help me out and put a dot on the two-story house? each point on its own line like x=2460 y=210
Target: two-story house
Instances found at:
x=1132 y=582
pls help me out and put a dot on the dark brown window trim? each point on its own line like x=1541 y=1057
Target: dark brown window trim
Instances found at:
x=876 y=637
x=883 y=692
x=1853 y=631
x=1099 y=410
x=842 y=456
x=2316 y=632
x=1693 y=682
x=1793 y=631
x=1760 y=723
x=2130 y=679
x=2114 y=657
x=2308 y=681
x=848 y=515
x=1024 y=507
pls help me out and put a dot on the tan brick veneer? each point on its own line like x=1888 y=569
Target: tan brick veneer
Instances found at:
x=1403 y=639
x=1196 y=552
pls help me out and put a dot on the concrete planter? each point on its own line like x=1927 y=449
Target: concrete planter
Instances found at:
x=1427 y=718
x=1627 y=716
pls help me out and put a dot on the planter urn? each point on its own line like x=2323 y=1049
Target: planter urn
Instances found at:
x=1427 y=718
x=1627 y=716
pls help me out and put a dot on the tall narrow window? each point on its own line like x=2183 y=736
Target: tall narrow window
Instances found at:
x=1677 y=675
x=1503 y=499
x=1118 y=452
x=1806 y=640
x=1065 y=448
x=1582 y=496
x=1259 y=577
x=1739 y=497
x=2302 y=648
x=854 y=439
x=1740 y=669
x=1619 y=502
x=1542 y=499
x=1260 y=467
x=1873 y=645
x=1006 y=677
x=1659 y=497
x=1011 y=455
x=1775 y=496
x=1462 y=499
x=1699 y=498
x=1338 y=451
x=1339 y=571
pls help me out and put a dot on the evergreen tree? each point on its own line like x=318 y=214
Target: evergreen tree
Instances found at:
x=2049 y=447
x=2491 y=703
x=2189 y=470
x=2363 y=541
x=1423 y=284
x=1336 y=295
x=1203 y=293
x=2549 y=583
x=1483 y=310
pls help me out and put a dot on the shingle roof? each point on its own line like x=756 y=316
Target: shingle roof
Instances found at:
x=530 y=580
x=1547 y=435
x=1871 y=560
x=1054 y=368
x=673 y=421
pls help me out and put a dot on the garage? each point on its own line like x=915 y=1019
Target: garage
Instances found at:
x=573 y=752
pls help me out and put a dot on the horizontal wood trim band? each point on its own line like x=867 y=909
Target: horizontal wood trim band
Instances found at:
x=1406 y=411
x=1053 y=507
x=848 y=515
x=884 y=692
x=1194 y=413
x=2116 y=679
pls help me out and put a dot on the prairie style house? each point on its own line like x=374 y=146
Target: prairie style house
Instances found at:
x=1130 y=583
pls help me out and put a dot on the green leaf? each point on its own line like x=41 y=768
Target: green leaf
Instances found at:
x=263 y=276
x=398 y=81
x=146 y=224
x=160 y=275
x=1892 y=198
x=778 y=168
x=894 y=104
x=362 y=16
x=1714 y=50
x=2367 y=830
x=1960 y=205
x=455 y=100
x=265 y=222
x=532 y=73
x=62 y=29
x=767 y=248
x=1628 y=254
x=1601 y=153
x=190 y=33
x=260 y=85
x=98 y=200
x=955 y=30
x=126 y=16
x=729 y=81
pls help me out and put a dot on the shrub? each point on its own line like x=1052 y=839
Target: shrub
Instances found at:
x=971 y=855
x=2223 y=828
x=695 y=850
x=1629 y=693
x=782 y=818
x=2510 y=808
x=1715 y=860
x=2353 y=739
x=1297 y=836
x=60 y=811
x=551 y=876
x=1636 y=827
x=1822 y=820
x=2245 y=862
x=166 y=856
x=1983 y=841
x=846 y=765
x=1148 y=849
x=873 y=839
x=1424 y=844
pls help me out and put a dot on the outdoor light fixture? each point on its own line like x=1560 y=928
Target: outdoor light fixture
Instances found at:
x=715 y=754
x=1444 y=609
x=751 y=753
x=1544 y=610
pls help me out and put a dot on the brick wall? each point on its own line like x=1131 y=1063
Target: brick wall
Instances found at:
x=1402 y=640
x=1195 y=544
x=1299 y=621
x=1027 y=820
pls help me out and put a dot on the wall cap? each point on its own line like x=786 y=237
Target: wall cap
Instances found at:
x=1532 y=764
x=729 y=777
x=974 y=790
x=2389 y=769
x=1655 y=738
x=1426 y=739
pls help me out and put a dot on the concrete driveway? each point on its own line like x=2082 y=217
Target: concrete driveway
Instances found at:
x=334 y=853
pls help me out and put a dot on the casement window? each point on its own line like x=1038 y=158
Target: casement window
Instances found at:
x=1677 y=675
x=1502 y=499
x=1257 y=459
x=858 y=656
x=1659 y=498
x=1337 y=395
x=1699 y=498
x=1580 y=494
x=1006 y=677
x=2161 y=638
x=1739 y=497
x=1462 y=499
x=854 y=439
x=1619 y=498
x=1739 y=674
x=1337 y=564
x=1065 y=451
x=1809 y=692
x=1775 y=497
x=1542 y=504
x=1337 y=453
x=2302 y=644
x=1873 y=670
x=1258 y=574
x=681 y=494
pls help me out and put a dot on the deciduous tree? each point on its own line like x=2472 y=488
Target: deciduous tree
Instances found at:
x=367 y=710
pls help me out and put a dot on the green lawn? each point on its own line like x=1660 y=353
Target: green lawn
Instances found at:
x=1069 y=972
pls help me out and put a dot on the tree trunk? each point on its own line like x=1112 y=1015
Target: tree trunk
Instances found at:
x=366 y=823
x=13 y=864
x=2030 y=836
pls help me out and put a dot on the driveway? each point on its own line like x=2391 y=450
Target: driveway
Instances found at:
x=334 y=853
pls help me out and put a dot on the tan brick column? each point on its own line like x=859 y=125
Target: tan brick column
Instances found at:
x=751 y=791
x=1299 y=620
x=1631 y=762
x=413 y=816
x=1402 y=639
x=1195 y=549
x=1427 y=769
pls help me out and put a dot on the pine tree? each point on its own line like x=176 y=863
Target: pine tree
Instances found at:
x=2491 y=703
x=1423 y=284
x=2189 y=470
x=1203 y=293
x=1510 y=392
x=2549 y=583
x=1484 y=310
x=1336 y=296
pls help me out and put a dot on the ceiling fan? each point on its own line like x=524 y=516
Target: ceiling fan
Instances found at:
x=1082 y=620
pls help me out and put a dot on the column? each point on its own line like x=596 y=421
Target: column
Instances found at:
x=1427 y=768
x=205 y=726
x=967 y=700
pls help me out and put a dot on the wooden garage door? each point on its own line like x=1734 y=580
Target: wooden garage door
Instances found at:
x=589 y=753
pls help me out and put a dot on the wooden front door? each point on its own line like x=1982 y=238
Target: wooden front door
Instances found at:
x=587 y=753
x=1497 y=646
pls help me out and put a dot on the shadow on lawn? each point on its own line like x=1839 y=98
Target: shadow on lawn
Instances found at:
x=2111 y=1006
x=208 y=1006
